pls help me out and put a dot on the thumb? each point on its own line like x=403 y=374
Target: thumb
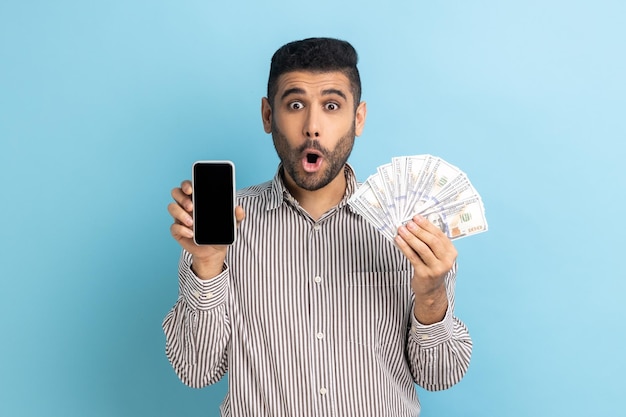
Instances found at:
x=239 y=214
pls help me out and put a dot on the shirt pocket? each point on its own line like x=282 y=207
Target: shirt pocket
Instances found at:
x=377 y=307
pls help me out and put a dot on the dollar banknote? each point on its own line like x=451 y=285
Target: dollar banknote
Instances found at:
x=420 y=185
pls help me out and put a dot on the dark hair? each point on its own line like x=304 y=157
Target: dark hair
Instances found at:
x=316 y=55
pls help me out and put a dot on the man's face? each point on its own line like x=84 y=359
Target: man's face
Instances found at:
x=313 y=124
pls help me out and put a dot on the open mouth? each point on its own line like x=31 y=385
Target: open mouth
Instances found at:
x=312 y=161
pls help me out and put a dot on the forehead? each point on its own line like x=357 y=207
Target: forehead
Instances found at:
x=314 y=82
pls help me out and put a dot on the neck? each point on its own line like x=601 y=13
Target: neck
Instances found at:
x=318 y=202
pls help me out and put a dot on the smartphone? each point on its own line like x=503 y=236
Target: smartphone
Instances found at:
x=213 y=199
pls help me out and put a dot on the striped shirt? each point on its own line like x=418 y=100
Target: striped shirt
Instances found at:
x=311 y=318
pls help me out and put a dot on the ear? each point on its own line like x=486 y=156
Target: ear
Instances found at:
x=359 y=118
x=266 y=115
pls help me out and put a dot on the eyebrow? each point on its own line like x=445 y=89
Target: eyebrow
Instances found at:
x=327 y=92
x=334 y=91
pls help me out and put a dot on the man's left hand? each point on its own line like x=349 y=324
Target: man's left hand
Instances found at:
x=432 y=255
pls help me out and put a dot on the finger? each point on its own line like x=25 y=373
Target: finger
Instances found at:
x=181 y=233
x=431 y=235
x=179 y=215
x=239 y=214
x=422 y=257
x=427 y=225
x=416 y=249
x=182 y=199
x=186 y=187
x=432 y=245
x=408 y=250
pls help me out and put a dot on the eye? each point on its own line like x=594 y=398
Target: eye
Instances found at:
x=296 y=105
x=331 y=106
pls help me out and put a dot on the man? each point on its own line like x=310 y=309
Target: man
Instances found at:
x=312 y=311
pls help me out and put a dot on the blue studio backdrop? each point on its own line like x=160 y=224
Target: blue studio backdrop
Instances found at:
x=104 y=106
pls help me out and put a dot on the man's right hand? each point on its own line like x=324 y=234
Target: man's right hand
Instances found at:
x=208 y=260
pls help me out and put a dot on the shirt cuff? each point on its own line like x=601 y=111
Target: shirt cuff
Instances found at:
x=432 y=335
x=203 y=294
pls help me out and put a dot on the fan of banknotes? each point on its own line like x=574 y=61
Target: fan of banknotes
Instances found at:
x=425 y=185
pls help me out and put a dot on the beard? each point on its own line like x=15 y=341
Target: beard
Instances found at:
x=291 y=158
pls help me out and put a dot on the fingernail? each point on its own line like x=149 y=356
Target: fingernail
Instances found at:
x=411 y=226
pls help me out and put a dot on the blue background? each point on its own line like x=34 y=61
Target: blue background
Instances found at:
x=104 y=105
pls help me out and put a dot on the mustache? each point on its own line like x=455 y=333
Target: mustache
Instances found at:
x=313 y=144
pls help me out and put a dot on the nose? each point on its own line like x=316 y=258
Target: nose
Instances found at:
x=312 y=124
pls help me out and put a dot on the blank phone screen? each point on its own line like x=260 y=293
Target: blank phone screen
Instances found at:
x=213 y=201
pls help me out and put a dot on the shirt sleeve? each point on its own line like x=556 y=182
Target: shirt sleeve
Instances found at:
x=439 y=354
x=197 y=328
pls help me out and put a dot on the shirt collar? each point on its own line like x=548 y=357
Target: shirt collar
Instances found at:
x=279 y=194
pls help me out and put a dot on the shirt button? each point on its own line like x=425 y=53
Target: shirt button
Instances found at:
x=320 y=335
x=318 y=279
x=323 y=391
x=208 y=296
x=316 y=227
